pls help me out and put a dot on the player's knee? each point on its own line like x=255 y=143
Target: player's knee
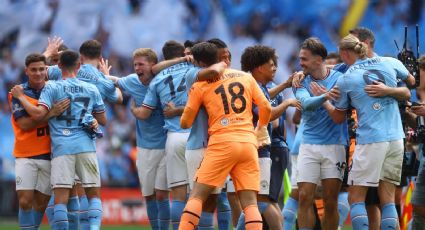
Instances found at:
x=161 y=195
x=25 y=202
x=330 y=204
x=305 y=197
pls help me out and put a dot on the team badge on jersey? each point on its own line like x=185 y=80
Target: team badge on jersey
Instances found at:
x=224 y=122
x=66 y=132
x=376 y=106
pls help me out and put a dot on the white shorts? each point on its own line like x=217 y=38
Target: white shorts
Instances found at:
x=175 y=149
x=318 y=162
x=65 y=167
x=151 y=170
x=294 y=160
x=376 y=161
x=33 y=174
x=193 y=160
x=265 y=170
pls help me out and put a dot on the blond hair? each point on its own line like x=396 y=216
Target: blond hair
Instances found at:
x=146 y=52
x=352 y=43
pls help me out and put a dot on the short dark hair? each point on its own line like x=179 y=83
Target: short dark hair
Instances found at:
x=218 y=42
x=34 y=57
x=334 y=55
x=172 y=49
x=421 y=62
x=315 y=46
x=188 y=44
x=363 y=33
x=69 y=60
x=255 y=56
x=91 y=49
x=205 y=52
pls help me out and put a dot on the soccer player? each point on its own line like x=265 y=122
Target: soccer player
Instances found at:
x=378 y=154
x=322 y=149
x=91 y=52
x=32 y=146
x=261 y=61
x=231 y=147
x=168 y=88
x=151 y=138
x=67 y=129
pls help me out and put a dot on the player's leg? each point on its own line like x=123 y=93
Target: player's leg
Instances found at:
x=224 y=213
x=74 y=208
x=373 y=208
x=62 y=179
x=177 y=177
x=84 y=205
x=290 y=209
x=162 y=193
x=26 y=178
x=418 y=198
x=390 y=177
x=307 y=180
x=87 y=169
x=42 y=191
x=234 y=202
x=330 y=199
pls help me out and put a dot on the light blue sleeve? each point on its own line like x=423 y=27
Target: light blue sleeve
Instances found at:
x=402 y=72
x=47 y=96
x=125 y=83
x=192 y=76
x=98 y=105
x=151 y=99
x=308 y=102
x=110 y=91
x=343 y=101
x=54 y=73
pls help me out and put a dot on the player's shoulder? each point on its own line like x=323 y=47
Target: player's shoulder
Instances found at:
x=176 y=68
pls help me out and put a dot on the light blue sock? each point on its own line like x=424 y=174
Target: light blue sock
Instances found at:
x=389 y=219
x=358 y=216
x=26 y=219
x=176 y=213
x=38 y=217
x=152 y=210
x=164 y=214
x=289 y=213
x=343 y=207
x=73 y=212
x=95 y=213
x=262 y=206
x=84 y=213
x=224 y=214
x=60 y=220
x=241 y=222
x=50 y=210
x=207 y=221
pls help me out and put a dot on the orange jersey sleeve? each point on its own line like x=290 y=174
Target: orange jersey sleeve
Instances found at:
x=229 y=106
x=193 y=104
x=33 y=142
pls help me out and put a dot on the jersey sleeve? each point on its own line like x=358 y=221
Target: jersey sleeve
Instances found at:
x=401 y=70
x=151 y=100
x=343 y=102
x=18 y=110
x=110 y=91
x=307 y=101
x=98 y=105
x=126 y=83
x=47 y=96
x=193 y=104
x=54 y=73
x=263 y=107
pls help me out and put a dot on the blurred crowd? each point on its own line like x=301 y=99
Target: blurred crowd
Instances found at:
x=124 y=25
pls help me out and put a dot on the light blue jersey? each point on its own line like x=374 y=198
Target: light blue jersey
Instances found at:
x=67 y=134
x=169 y=86
x=150 y=133
x=198 y=137
x=297 y=140
x=319 y=127
x=378 y=117
x=90 y=74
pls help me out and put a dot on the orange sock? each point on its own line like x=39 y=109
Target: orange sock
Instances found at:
x=253 y=220
x=191 y=214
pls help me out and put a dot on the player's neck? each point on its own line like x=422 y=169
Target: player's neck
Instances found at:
x=260 y=78
x=320 y=73
x=66 y=75
x=145 y=80
x=36 y=86
x=94 y=62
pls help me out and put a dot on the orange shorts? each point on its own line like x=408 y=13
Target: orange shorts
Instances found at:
x=239 y=159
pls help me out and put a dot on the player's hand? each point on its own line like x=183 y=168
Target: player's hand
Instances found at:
x=377 y=89
x=104 y=66
x=170 y=110
x=59 y=107
x=297 y=78
x=317 y=89
x=333 y=94
x=53 y=45
x=295 y=103
x=418 y=110
x=262 y=134
x=94 y=125
x=189 y=58
x=17 y=91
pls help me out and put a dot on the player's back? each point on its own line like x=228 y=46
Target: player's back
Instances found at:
x=374 y=113
x=229 y=106
x=67 y=134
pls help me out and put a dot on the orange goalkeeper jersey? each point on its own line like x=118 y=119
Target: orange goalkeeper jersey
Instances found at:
x=228 y=103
